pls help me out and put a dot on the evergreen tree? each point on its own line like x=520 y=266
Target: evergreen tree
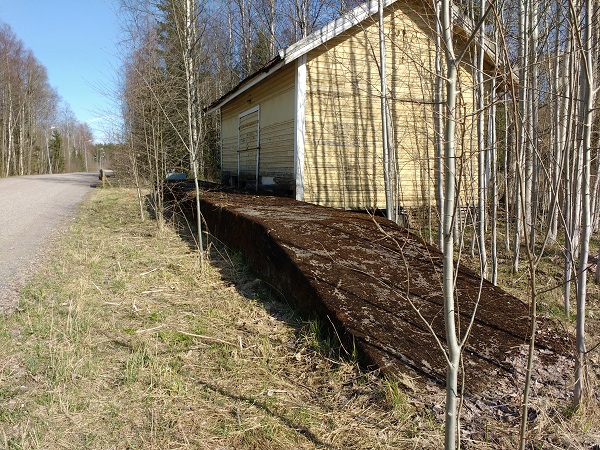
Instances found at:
x=56 y=155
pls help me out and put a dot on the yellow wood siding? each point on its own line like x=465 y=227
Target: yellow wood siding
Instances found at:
x=248 y=146
x=343 y=149
x=275 y=98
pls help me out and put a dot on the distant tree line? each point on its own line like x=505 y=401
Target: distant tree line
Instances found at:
x=39 y=132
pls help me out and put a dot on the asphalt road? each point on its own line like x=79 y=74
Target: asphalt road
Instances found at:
x=33 y=210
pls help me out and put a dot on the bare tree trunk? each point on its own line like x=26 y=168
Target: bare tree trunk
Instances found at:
x=192 y=101
x=578 y=113
x=533 y=101
x=9 y=152
x=48 y=153
x=452 y=395
x=566 y=133
x=507 y=195
x=558 y=133
x=493 y=151
x=576 y=177
x=22 y=139
x=522 y=144
x=438 y=128
x=245 y=11
x=272 y=48
x=596 y=196
x=567 y=212
x=481 y=153
x=388 y=159
x=587 y=82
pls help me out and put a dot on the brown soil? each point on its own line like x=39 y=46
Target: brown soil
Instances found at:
x=379 y=286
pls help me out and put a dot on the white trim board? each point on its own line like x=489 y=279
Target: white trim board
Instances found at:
x=299 y=120
x=248 y=111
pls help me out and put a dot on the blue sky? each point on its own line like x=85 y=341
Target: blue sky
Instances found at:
x=76 y=41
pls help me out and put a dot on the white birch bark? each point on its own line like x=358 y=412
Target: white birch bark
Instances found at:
x=587 y=80
x=453 y=357
x=481 y=152
x=567 y=212
x=557 y=135
x=22 y=140
x=272 y=48
x=492 y=145
x=192 y=110
x=521 y=173
x=533 y=179
x=48 y=154
x=566 y=132
x=596 y=197
x=9 y=153
x=438 y=127
x=507 y=194
x=388 y=158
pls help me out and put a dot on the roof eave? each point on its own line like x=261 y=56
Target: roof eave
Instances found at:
x=331 y=30
x=272 y=66
x=322 y=36
x=301 y=47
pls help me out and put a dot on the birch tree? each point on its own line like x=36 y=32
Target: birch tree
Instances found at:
x=389 y=153
x=481 y=148
x=521 y=120
x=194 y=112
x=493 y=155
x=453 y=356
x=587 y=108
x=438 y=126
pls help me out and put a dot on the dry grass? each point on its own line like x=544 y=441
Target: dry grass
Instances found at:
x=121 y=343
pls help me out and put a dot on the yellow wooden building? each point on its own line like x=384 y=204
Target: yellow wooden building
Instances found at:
x=309 y=123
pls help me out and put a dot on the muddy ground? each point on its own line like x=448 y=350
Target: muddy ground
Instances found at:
x=379 y=288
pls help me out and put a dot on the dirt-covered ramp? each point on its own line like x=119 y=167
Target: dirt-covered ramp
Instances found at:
x=380 y=287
